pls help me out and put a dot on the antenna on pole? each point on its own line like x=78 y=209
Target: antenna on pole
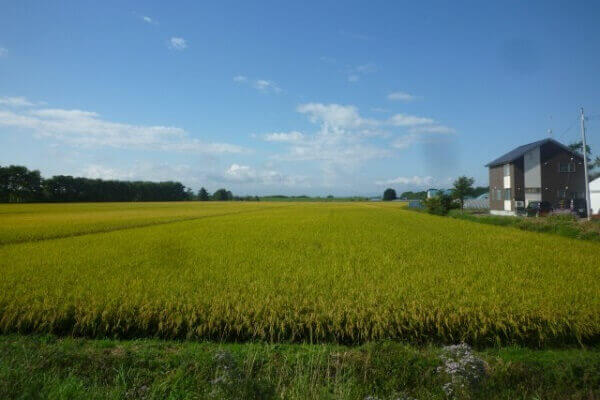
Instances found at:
x=585 y=168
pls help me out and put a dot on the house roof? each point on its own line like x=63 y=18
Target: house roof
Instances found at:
x=521 y=150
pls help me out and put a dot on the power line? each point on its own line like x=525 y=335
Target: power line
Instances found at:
x=568 y=129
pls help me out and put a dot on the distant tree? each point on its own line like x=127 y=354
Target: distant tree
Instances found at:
x=389 y=194
x=578 y=147
x=330 y=197
x=203 y=195
x=479 y=190
x=439 y=205
x=19 y=184
x=222 y=195
x=462 y=187
x=414 y=195
x=593 y=164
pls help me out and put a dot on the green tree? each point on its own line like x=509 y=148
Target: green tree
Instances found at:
x=389 y=194
x=18 y=184
x=462 y=187
x=439 y=205
x=414 y=195
x=222 y=195
x=593 y=164
x=203 y=194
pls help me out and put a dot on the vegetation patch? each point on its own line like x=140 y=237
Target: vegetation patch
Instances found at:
x=296 y=272
x=564 y=225
x=42 y=367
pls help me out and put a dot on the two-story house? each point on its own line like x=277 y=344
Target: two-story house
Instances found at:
x=545 y=170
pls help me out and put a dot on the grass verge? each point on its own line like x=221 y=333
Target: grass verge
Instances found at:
x=65 y=368
x=563 y=225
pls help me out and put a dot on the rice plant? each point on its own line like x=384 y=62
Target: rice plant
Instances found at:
x=315 y=272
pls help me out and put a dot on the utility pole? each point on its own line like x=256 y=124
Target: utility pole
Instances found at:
x=585 y=168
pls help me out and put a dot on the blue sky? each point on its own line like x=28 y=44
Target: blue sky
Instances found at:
x=323 y=97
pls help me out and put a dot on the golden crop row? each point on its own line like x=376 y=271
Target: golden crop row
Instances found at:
x=346 y=273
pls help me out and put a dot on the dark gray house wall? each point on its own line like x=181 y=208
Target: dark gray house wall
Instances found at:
x=496 y=182
x=518 y=181
x=560 y=186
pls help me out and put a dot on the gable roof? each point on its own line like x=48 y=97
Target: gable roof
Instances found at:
x=521 y=150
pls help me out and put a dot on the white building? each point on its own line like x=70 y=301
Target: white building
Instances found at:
x=595 y=196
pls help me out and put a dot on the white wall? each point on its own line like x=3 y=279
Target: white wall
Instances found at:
x=533 y=174
x=595 y=196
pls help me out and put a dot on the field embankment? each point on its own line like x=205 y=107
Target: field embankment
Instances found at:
x=47 y=367
x=327 y=272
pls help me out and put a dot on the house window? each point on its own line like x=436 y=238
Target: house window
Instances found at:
x=506 y=169
x=498 y=194
x=506 y=194
x=533 y=190
x=566 y=167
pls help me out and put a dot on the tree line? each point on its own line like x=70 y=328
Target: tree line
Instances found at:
x=18 y=184
x=462 y=188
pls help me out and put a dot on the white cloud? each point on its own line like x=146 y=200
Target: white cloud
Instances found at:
x=266 y=86
x=262 y=85
x=15 y=101
x=288 y=137
x=88 y=129
x=244 y=174
x=339 y=146
x=380 y=110
x=354 y=73
x=95 y=171
x=442 y=129
x=335 y=115
x=405 y=141
x=178 y=43
x=366 y=68
x=408 y=180
x=409 y=120
x=3 y=51
x=401 y=96
x=150 y=171
x=147 y=19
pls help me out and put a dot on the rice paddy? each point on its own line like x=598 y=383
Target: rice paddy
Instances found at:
x=291 y=272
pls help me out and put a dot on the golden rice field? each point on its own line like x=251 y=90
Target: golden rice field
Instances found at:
x=337 y=272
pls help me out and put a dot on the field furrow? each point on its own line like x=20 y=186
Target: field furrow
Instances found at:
x=345 y=273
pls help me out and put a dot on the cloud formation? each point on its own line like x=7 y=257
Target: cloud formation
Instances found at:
x=262 y=85
x=335 y=116
x=15 y=102
x=284 y=137
x=355 y=73
x=409 y=120
x=147 y=19
x=420 y=181
x=244 y=174
x=88 y=129
x=178 y=43
x=401 y=96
